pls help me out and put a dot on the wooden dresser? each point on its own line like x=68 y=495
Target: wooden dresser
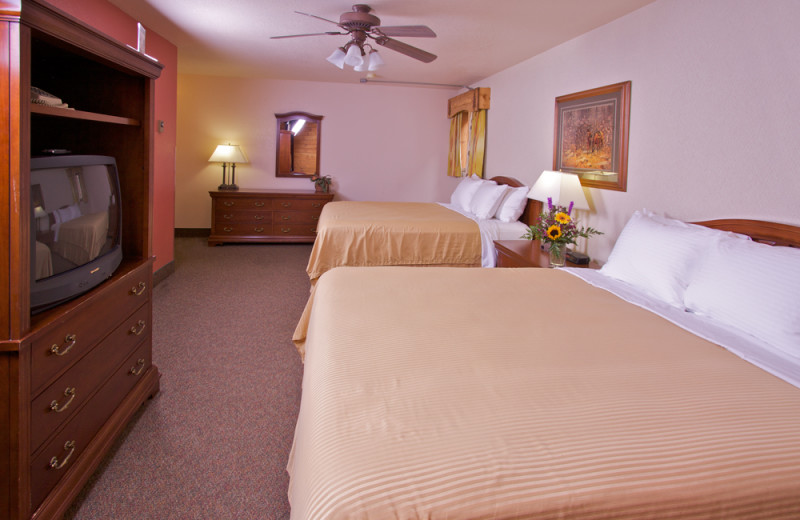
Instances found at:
x=264 y=216
x=71 y=377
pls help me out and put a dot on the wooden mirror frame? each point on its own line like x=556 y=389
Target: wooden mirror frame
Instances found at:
x=281 y=119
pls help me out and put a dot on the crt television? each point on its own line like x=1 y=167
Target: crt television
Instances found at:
x=76 y=226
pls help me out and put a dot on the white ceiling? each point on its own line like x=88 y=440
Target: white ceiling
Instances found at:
x=475 y=38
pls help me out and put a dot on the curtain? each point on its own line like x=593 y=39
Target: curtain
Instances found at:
x=454 y=157
x=477 y=143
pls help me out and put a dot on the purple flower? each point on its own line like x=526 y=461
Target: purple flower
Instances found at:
x=550 y=203
x=569 y=211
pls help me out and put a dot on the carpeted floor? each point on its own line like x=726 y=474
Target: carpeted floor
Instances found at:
x=213 y=444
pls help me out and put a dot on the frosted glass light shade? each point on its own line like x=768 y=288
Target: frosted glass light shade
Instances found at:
x=337 y=58
x=364 y=64
x=228 y=153
x=375 y=61
x=562 y=188
x=353 y=56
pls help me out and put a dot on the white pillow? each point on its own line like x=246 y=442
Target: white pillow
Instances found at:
x=658 y=255
x=487 y=199
x=513 y=204
x=753 y=287
x=462 y=195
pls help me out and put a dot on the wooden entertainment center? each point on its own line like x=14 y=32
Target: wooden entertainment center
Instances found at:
x=72 y=376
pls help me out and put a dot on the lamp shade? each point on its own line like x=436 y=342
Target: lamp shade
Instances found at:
x=353 y=56
x=562 y=188
x=337 y=58
x=375 y=61
x=228 y=153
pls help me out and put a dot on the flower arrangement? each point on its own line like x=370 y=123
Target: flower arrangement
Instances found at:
x=557 y=228
x=321 y=183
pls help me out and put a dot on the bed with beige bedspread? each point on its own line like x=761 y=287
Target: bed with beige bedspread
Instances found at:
x=528 y=393
x=360 y=233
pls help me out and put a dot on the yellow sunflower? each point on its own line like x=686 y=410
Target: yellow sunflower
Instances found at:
x=562 y=218
x=553 y=232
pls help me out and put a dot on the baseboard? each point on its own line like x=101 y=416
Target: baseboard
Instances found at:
x=162 y=273
x=193 y=232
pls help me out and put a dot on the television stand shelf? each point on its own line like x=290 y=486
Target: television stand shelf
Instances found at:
x=80 y=114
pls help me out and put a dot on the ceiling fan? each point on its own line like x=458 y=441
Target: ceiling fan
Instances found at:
x=360 y=25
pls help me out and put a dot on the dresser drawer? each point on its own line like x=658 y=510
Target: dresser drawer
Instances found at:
x=305 y=230
x=296 y=217
x=298 y=204
x=57 y=456
x=253 y=217
x=62 y=399
x=222 y=204
x=242 y=229
x=64 y=342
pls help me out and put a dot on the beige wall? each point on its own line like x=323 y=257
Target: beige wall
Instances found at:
x=378 y=142
x=714 y=112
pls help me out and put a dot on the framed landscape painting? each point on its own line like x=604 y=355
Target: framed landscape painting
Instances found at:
x=591 y=136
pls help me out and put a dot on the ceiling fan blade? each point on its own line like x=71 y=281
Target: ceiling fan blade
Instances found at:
x=417 y=31
x=404 y=48
x=310 y=34
x=318 y=17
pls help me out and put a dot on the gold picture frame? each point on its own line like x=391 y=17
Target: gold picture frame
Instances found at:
x=591 y=136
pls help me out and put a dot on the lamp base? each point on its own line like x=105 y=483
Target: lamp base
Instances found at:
x=227 y=187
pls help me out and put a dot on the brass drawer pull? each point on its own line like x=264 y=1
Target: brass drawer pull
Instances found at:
x=286 y=217
x=138 y=328
x=286 y=230
x=227 y=216
x=227 y=203
x=258 y=229
x=314 y=217
x=227 y=229
x=316 y=204
x=69 y=342
x=259 y=217
x=136 y=370
x=69 y=446
x=69 y=392
x=286 y=204
x=259 y=204
x=138 y=290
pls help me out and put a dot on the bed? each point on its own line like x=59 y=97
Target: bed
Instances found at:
x=559 y=393
x=459 y=233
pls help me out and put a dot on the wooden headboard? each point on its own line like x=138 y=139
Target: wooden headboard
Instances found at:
x=532 y=209
x=771 y=233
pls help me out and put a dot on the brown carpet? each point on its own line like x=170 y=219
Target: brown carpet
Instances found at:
x=213 y=444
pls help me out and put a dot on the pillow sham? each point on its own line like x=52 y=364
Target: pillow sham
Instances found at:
x=513 y=204
x=462 y=195
x=752 y=287
x=487 y=199
x=658 y=255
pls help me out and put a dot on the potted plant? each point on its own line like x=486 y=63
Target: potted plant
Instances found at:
x=556 y=228
x=321 y=183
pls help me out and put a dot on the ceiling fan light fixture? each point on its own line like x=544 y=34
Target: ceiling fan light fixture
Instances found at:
x=337 y=58
x=353 y=56
x=375 y=60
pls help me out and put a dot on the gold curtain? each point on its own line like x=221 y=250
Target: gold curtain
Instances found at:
x=477 y=143
x=454 y=157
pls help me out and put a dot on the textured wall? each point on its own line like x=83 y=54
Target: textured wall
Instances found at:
x=714 y=110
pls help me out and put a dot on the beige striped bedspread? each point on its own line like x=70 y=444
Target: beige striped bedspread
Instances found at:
x=357 y=233
x=527 y=393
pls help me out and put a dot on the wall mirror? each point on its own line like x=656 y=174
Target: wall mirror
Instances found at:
x=297 y=143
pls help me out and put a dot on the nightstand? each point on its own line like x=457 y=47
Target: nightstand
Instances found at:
x=527 y=253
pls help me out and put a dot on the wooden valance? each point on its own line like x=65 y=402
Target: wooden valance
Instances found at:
x=471 y=101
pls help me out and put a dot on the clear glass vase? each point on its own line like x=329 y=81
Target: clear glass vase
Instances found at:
x=558 y=255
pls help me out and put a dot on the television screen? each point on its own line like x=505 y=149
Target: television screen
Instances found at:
x=75 y=226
